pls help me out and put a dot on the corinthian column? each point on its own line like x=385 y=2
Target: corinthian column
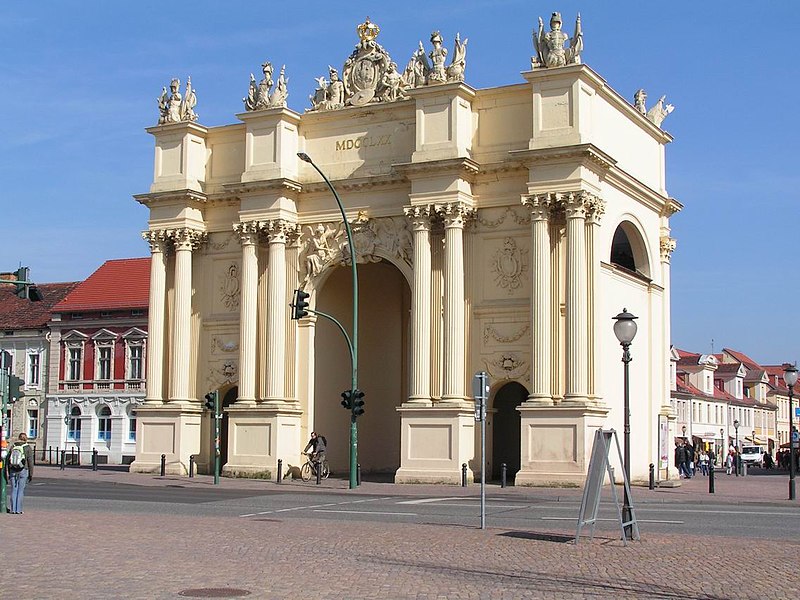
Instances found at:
x=541 y=308
x=155 y=316
x=595 y=210
x=454 y=216
x=279 y=232
x=577 y=358
x=420 y=385
x=248 y=236
x=185 y=240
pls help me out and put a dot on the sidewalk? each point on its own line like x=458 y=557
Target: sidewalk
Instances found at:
x=96 y=555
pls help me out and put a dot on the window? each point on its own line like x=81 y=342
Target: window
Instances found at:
x=75 y=357
x=104 y=424
x=135 y=361
x=74 y=427
x=104 y=362
x=33 y=423
x=33 y=369
x=131 y=426
x=137 y=313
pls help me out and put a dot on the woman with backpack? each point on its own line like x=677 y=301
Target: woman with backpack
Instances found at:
x=19 y=471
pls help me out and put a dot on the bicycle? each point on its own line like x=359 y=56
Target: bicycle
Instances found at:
x=309 y=469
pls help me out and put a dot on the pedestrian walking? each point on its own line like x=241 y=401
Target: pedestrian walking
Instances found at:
x=703 y=462
x=19 y=471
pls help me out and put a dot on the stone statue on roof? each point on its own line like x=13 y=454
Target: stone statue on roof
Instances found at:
x=260 y=96
x=428 y=69
x=657 y=113
x=174 y=107
x=549 y=46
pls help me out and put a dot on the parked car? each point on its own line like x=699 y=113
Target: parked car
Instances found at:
x=753 y=456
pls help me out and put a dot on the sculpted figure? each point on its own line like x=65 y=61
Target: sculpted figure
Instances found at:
x=175 y=108
x=335 y=92
x=640 y=100
x=320 y=95
x=550 y=51
x=258 y=94
x=659 y=112
x=438 y=56
x=281 y=93
x=319 y=252
x=392 y=83
x=417 y=68
x=458 y=64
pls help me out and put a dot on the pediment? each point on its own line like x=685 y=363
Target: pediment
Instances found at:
x=104 y=334
x=134 y=333
x=74 y=336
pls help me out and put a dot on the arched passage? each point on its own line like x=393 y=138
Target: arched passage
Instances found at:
x=506 y=429
x=384 y=304
x=629 y=251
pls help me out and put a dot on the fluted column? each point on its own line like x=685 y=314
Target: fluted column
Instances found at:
x=420 y=384
x=577 y=358
x=541 y=301
x=454 y=216
x=595 y=210
x=155 y=316
x=279 y=233
x=248 y=236
x=185 y=241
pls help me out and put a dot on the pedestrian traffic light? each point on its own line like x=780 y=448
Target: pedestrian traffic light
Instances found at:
x=211 y=401
x=15 y=391
x=300 y=304
x=358 y=403
x=347 y=399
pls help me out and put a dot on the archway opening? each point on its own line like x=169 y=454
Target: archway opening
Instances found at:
x=506 y=427
x=384 y=306
x=229 y=398
x=628 y=250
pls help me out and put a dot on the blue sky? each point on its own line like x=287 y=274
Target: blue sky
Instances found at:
x=81 y=79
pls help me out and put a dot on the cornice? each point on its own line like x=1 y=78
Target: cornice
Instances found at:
x=357 y=183
x=589 y=154
x=259 y=187
x=184 y=195
x=181 y=126
x=464 y=165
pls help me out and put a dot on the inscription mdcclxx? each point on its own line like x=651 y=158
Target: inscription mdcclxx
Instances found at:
x=364 y=141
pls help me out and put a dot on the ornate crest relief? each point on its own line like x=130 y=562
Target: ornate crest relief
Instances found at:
x=508 y=265
x=229 y=287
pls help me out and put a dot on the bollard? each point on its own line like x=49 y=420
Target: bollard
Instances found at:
x=503 y=469
x=72 y=456
x=744 y=469
x=280 y=470
x=94 y=459
x=463 y=474
x=652 y=476
x=358 y=474
x=191 y=465
x=163 y=465
x=319 y=472
x=63 y=459
x=50 y=455
x=711 y=480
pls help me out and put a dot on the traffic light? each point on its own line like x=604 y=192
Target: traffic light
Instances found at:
x=21 y=276
x=358 y=403
x=211 y=401
x=347 y=399
x=14 y=388
x=300 y=304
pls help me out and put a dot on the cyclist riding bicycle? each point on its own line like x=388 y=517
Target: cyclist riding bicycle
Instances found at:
x=318 y=445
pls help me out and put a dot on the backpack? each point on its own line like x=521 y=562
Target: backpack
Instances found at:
x=16 y=459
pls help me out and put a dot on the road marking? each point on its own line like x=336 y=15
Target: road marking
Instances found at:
x=366 y=512
x=427 y=500
x=617 y=520
x=311 y=507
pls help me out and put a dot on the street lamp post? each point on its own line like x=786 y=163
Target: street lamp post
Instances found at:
x=625 y=330
x=354 y=338
x=721 y=445
x=790 y=377
x=736 y=455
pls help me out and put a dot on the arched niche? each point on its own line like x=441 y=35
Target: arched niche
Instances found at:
x=629 y=250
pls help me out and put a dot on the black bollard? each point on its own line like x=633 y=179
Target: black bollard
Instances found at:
x=503 y=469
x=711 y=480
x=72 y=456
x=280 y=470
x=358 y=474
x=163 y=465
x=652 y=476
x=463 y=474
x=319 y=472
x=50 y=455
x=63 y=459
x=191 y=465
x=94 y=459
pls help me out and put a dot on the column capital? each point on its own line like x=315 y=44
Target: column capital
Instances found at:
x=667 y=246
x=280 y=231
x=578 y=204
x=419 y=216
x=540 y=206
x=157 y=239
x=455 y=214
x=187 y=238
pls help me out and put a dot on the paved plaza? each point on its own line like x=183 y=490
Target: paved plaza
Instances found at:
x=68 y=553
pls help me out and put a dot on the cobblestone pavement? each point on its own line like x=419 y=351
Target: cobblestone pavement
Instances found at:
x=83 y=554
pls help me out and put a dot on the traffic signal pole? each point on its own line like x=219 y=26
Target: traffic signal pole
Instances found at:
x=354 y=339
x=4 y=391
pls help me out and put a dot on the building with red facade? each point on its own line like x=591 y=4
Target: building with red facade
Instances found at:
x=98 y=349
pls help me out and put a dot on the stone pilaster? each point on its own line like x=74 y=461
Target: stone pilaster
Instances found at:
x=454 y=215
x=420 y=384
x=156 y=316
x=595 y=210
x=185 y=240
x=248 y=236
x=541 y=301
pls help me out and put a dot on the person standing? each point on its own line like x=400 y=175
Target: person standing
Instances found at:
x=680 y=460
x=19 y=471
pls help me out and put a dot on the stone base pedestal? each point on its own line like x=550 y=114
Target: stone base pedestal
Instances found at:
x=172 y=430
x=259 y=435
x=434 y=442
x=556 y=443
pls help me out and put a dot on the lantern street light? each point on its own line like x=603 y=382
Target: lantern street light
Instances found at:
x=625 y=330
x=790 y=378
x=736 y=455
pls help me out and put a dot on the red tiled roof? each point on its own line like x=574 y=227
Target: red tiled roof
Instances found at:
x=748 y=362
x=20 y=313
x=122 y=283
x=728 y=368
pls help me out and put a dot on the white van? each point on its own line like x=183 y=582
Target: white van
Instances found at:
x=753 y=456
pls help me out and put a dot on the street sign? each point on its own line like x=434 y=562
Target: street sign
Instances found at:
x=797 y=412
